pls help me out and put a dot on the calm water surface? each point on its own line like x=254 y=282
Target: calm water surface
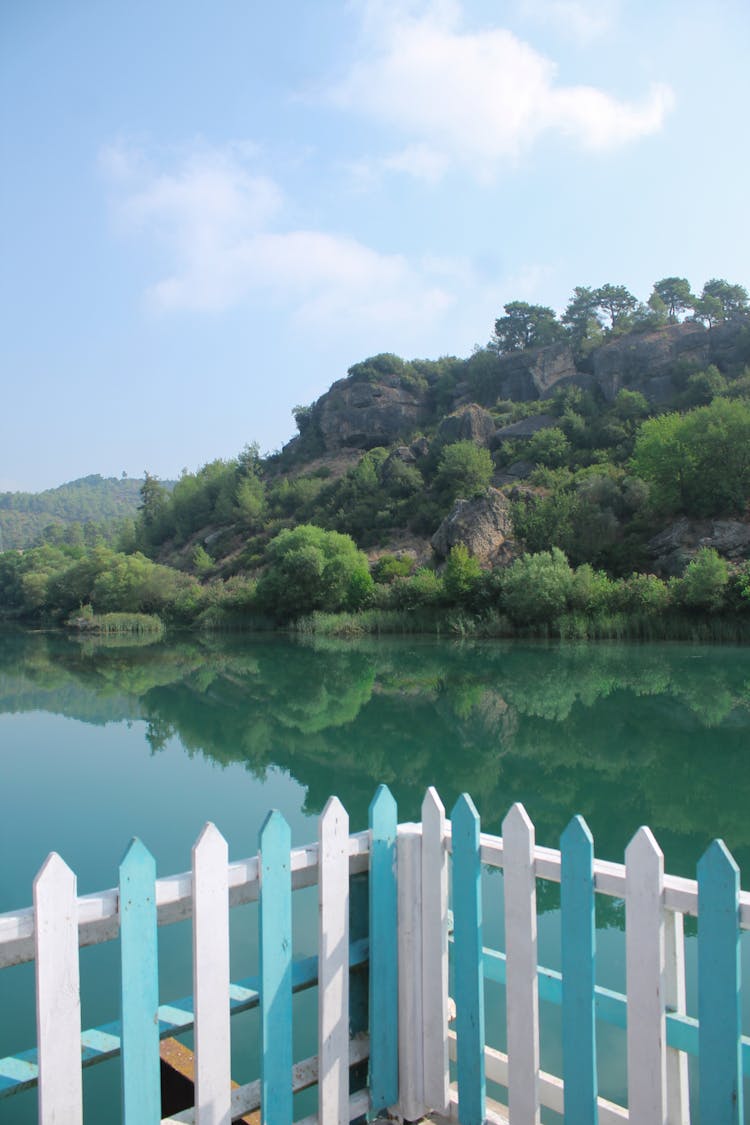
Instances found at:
x=100 y=742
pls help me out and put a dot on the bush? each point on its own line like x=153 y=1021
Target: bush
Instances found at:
x=704 y=584
x=536 y=588
x=308 y=569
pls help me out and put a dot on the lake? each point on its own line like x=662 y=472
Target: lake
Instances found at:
x=103 y=741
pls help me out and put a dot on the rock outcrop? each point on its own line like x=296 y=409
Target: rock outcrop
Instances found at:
x=483 y=525
x=673 y=548
x=362 y=414
x=525 y=428
x=469 y=423
x=528 y=375
x=644 y=361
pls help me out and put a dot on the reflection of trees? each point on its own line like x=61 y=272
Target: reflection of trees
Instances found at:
x=623 y=734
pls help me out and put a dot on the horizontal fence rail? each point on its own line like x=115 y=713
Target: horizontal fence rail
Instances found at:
x=394 y=1040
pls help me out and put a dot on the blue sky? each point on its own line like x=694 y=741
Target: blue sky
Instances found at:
x=210 y=211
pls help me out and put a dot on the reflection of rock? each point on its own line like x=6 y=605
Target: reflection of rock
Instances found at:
x=673 y=548
x=482 y=524
x=468 y=423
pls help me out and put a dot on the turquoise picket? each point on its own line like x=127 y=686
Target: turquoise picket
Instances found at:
x=578 y=973
x=140 y=1066
x=468 y=970
x=719 y=1012
x=275 y=943
x=383 y=951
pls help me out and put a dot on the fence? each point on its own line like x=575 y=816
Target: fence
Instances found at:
x=409 y=1040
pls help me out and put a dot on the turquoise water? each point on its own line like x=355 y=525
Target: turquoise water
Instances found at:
x=100 y=742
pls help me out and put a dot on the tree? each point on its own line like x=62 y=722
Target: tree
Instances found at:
x=526 y=326
x=733 y=299
x=548 y=447
x=697 y=463
x=617 y=302
x=464 y=470
x=310 y=569
x=676 y=295
x=581 y=317
x=461 y=574
x=536 y=587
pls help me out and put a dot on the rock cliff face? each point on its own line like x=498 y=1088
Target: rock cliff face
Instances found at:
x=483 y=525
x=387 y=406
x=361 y=415
x=529 y=375
x=643 y=362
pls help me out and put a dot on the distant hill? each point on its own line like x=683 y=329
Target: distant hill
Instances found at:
x=24 y=516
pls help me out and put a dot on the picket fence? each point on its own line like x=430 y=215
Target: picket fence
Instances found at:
x=413 y=1031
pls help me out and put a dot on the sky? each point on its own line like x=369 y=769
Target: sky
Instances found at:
x=209 y=212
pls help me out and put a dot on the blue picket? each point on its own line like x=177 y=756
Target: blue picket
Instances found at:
x=383 y=951
x=468 y=972
x=275 y=942
x=578 y=973
x=140 y=1067
x=719 y=1012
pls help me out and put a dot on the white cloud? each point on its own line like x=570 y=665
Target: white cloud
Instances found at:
x=480 y=98
x=220 y=229
x=580 y=20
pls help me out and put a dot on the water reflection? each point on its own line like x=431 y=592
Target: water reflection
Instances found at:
x=624 y=734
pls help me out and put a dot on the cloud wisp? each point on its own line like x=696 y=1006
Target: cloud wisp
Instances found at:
x=480 y=99
x=221 y=231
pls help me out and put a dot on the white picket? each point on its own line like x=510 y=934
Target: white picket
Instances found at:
x=410 y=1054
x=58 y=997
x=645 y=965
x=333 y=964
x=522 y=992
x=211 y=978
x=435 y=954
x=678 y=1093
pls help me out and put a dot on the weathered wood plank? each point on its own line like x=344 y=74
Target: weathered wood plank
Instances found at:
x=522 y=994
x=578 y=937
x=139 y=988
x=211 y=978
x=275 y=944
x=435 y=953
x=383 y=980
x=719 y=985
x=58 y=998
x=469 y=979
x=645 y=959
x=333 y=964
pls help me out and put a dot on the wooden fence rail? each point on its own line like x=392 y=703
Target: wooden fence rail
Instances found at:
x=409 y=1040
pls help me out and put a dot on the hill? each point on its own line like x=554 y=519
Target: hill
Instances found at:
x=61 y=514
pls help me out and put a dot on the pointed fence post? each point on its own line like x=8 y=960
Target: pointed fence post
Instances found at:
x=578 y=974
x=275 y=944
x=644 y=958
x=435 y=953
x=383 y=1002
x=211 y=978
x=139 y=983
x=468 y=975
x=521 y=953
x=58 y=999
x=719 y=1010
x=333 y=965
